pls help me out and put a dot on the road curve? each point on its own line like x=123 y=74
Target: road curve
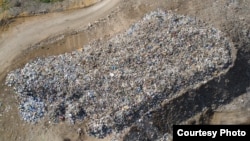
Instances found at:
x=20 y=37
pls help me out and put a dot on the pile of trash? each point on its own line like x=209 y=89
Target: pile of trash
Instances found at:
x=113 y=83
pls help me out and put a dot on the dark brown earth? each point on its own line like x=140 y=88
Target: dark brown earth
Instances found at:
x=223 y=100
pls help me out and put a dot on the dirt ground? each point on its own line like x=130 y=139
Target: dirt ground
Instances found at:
x=23 y=8
x=230 y=16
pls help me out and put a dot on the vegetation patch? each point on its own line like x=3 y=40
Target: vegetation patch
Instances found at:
x=4 y=5
x=50 y=1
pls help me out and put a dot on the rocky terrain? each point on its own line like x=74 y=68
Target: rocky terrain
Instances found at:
x=212 y=80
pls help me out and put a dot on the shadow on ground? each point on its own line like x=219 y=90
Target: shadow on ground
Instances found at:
x=207 y=98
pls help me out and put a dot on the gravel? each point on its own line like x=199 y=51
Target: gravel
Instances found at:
x=19 y=8
x=113 y=83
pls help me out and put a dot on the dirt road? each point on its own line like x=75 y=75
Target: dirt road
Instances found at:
x=24 y=35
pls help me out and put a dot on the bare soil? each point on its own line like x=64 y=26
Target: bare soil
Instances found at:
x=231 y=17
x=10 y=9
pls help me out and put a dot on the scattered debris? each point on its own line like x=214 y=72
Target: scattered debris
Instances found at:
x=113 y=83
x=79 y=132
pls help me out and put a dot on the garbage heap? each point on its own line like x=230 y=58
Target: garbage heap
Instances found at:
x=113 y=83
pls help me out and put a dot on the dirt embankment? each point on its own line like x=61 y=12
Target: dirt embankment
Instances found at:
x=20 y=8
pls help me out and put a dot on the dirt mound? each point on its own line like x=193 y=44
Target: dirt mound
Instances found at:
x=110 y=82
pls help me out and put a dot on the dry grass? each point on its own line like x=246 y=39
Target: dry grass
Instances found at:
x=1 y=2
x=4 y=5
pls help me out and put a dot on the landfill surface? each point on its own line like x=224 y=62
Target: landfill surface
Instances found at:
x=113 y=83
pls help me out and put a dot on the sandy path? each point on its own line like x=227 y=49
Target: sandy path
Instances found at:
x=22 y=36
